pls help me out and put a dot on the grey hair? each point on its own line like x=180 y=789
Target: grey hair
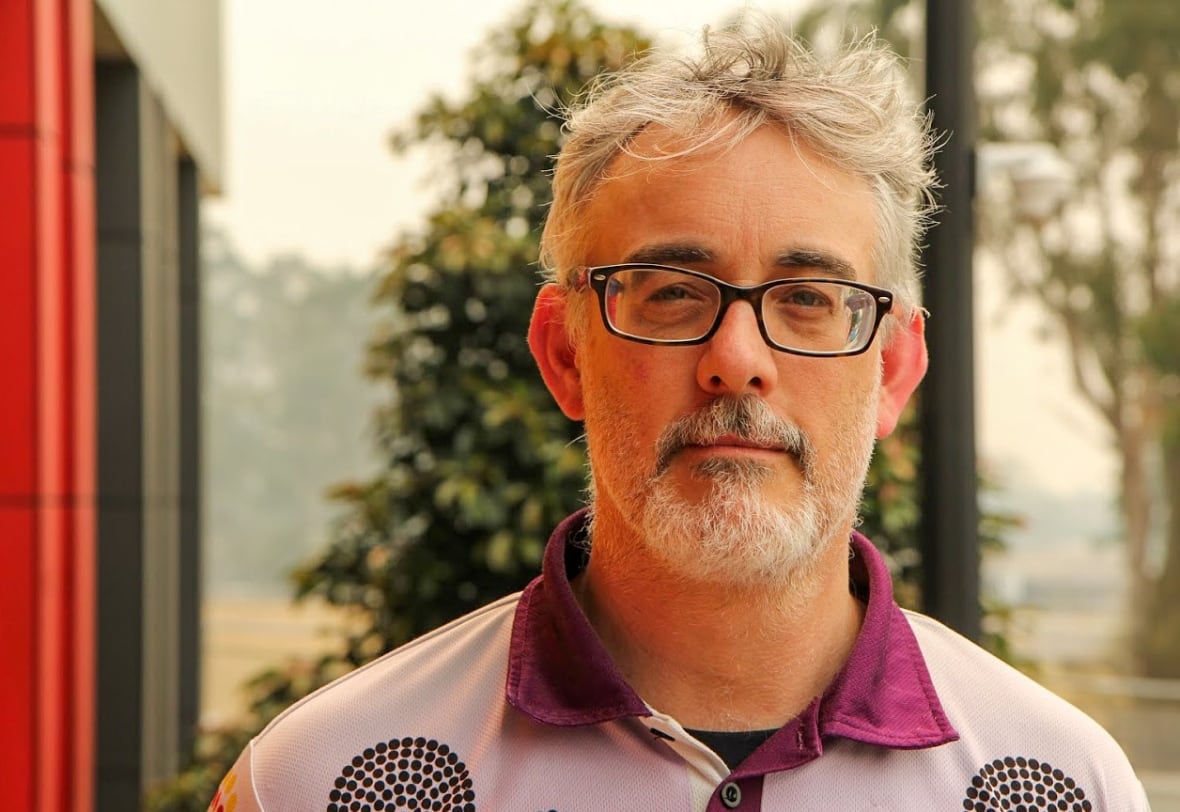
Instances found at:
x=850 y=107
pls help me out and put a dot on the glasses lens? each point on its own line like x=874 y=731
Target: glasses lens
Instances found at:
x=661 y=305
x=819 y=316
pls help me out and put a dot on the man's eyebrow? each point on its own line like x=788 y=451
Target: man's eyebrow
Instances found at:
x=670 y=254
x=802 y=258
x=794 y=259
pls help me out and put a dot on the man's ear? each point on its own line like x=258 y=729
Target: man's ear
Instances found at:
x=553 y=351
x=903 y=362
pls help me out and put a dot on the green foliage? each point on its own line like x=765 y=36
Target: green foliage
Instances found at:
x=1160 y=334
x=889 y=512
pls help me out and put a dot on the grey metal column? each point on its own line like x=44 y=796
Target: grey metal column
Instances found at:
x=161 y=442
x=138 y=428
x=189 y=638
x=120 y=402
x=950 y=513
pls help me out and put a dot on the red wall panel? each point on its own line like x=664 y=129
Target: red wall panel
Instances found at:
x=18 y=242
x=17 y=684
x=16 y=55
x=17 y=246
x=46 y=404
x=77 y=200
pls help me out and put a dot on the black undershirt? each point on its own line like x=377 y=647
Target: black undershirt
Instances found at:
x=733 y=748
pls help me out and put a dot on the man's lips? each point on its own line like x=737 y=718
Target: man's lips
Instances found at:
x=734 y=443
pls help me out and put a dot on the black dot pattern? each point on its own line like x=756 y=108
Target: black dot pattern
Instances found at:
x=404 y=775
x=1020 y=784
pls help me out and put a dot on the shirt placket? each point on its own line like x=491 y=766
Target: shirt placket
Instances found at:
x=712 y=788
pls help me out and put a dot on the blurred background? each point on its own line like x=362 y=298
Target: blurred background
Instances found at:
x=314 y=430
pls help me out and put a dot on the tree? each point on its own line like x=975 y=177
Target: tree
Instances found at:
x=1101 y=80
x=1158 y=642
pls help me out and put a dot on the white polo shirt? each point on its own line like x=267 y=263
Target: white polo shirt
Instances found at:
x=517 y=706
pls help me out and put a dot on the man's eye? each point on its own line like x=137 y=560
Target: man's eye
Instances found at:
x=804 y=297
x=672 y=293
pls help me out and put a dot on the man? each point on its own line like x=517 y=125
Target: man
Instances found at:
x=733 y=312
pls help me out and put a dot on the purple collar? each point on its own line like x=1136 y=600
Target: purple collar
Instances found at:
x=560 y=674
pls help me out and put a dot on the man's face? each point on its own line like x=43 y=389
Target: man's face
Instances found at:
x=732 y=461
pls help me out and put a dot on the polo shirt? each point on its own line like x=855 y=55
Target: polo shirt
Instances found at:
x=518 y=706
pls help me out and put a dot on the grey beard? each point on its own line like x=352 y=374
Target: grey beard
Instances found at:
x=733 y=534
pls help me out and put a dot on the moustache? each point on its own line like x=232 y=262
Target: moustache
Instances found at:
x=746 y=417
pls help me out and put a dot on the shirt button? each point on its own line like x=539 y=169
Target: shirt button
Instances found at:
x=731 y=795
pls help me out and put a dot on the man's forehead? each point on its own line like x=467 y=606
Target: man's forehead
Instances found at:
x=812 y=259
x=673 y=199
x=660 y=153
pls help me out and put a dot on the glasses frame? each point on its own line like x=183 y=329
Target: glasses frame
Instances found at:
x=598 y=276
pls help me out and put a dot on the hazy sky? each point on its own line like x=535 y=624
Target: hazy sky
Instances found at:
x=313 y=91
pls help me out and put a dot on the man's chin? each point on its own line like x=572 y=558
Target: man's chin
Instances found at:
x=718 y=482
x=732 y=469
x=731 y=533
x=733 y=561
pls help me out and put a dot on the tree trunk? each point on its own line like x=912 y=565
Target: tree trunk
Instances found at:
x=1160 y=641
x=1136 y=505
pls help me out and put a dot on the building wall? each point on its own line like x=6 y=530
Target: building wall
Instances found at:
x=146 y=598
x=177 y=47
x=98 y=405
x=46 y=405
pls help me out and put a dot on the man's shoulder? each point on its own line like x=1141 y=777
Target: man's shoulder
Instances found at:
x=416 y=670
x=976 y=684
x=1013 y=726
x=425 y=701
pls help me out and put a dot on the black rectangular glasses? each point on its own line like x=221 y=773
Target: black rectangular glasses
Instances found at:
x=660 y=304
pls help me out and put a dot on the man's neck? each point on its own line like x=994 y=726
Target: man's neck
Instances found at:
x=717 y=656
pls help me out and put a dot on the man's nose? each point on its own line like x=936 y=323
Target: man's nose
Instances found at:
x=737 y=360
